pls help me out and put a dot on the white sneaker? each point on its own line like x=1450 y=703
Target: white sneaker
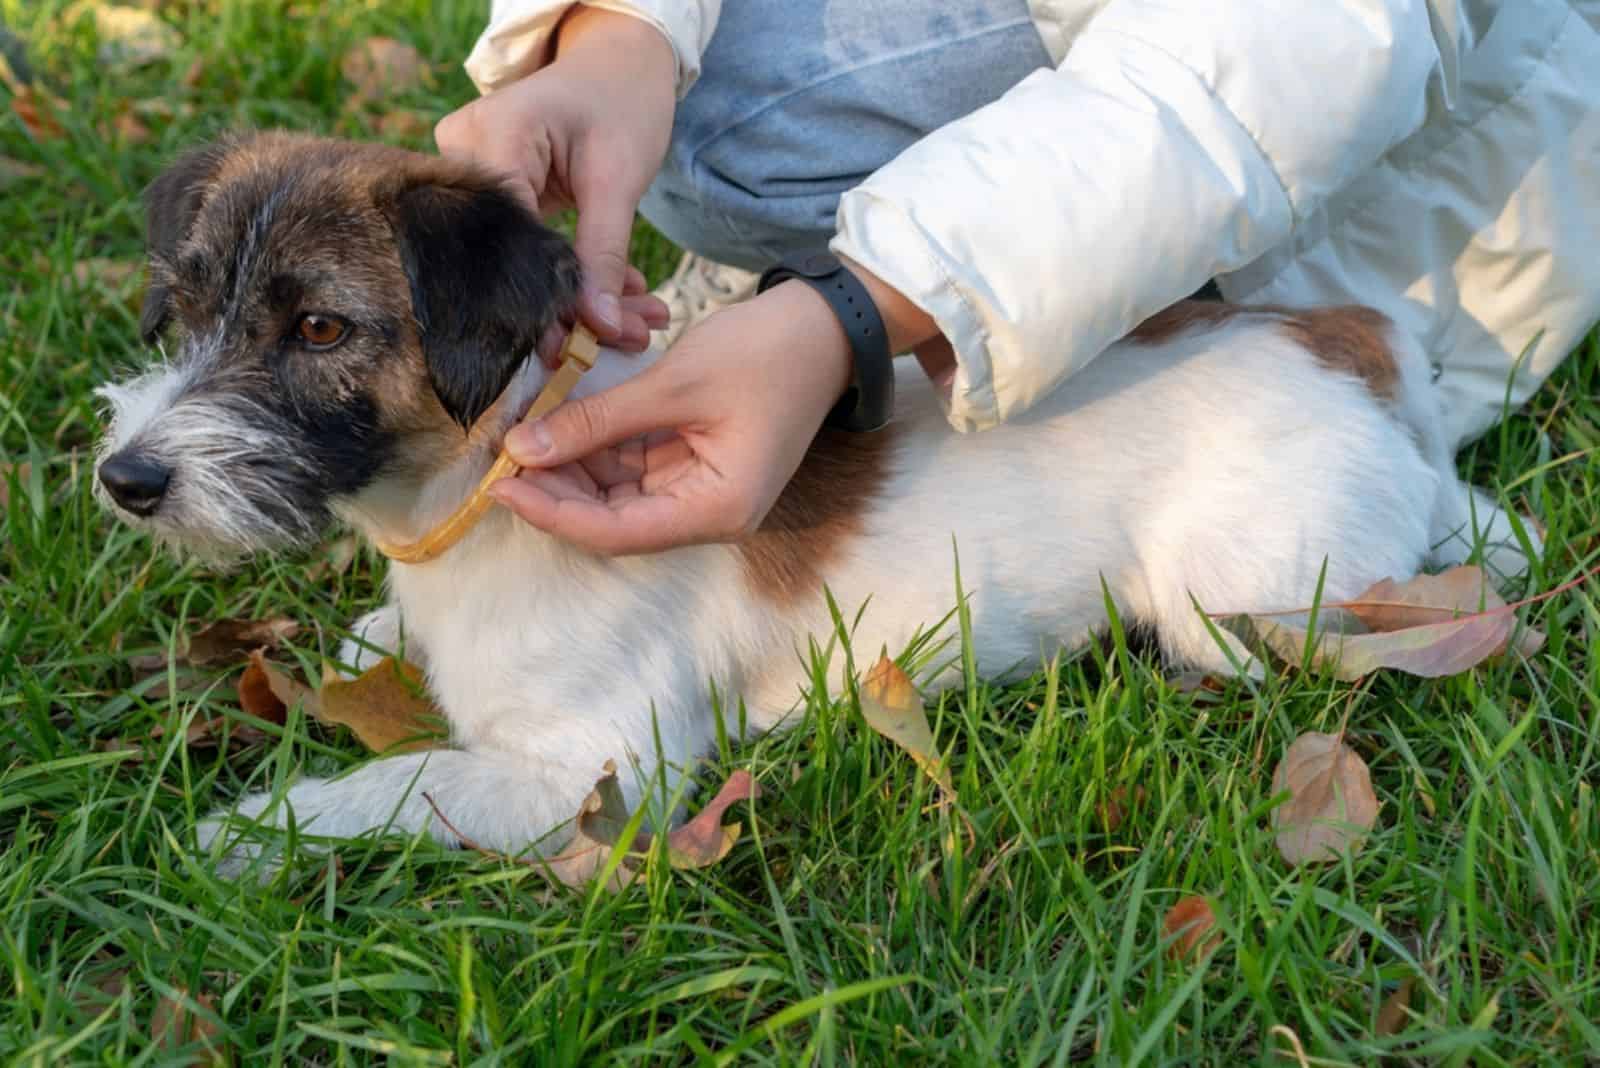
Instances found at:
x=696 y=289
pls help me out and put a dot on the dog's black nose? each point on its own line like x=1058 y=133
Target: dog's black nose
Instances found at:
x=134 y=482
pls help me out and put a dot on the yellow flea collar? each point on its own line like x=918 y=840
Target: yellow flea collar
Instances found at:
x=577 y=356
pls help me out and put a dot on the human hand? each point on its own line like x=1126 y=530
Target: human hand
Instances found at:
x=697 y=447
x=589 y=132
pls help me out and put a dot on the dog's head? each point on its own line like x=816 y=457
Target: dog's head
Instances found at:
x=342 y=314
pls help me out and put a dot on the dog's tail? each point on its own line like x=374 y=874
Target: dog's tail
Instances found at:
x=1467 y=525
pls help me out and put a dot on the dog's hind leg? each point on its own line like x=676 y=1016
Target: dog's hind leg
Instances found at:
x=501 y=802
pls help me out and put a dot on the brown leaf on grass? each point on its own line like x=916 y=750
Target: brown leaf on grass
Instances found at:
x=37 y=114
x=1116 y=806
x=704 y=840
x=195 y=74
x=387 y=707
x=1188 y=929
x=1388 y=605
x=1331 y=805
x=16 y=170
x=1430 y=626
x=602 y=818
x=380 y=67
x=228 y=641
x=1394 y=1014
x=266 y=693
x=892 y=707
x=175 y=1025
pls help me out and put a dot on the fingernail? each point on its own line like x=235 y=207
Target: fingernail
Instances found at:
x=608 y=309
x=529 y=442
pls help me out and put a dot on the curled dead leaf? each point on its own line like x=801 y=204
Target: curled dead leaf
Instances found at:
x=38 y=114
x=1388 y=605
x=267 y=693
x=1189 y=929
x=704 y=840
x=1331 y=804
x=891 y=706
x=229 y=640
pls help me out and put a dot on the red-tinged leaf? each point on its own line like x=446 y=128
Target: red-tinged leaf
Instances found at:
x=1394 y=1015
x=1331 y=805
x=1116 y=806
x=267 y=693
x=704 y=840
x=892 y=707
x=1188 y=929
x=1432 y=651
x=1461 y=591
x=38 y=115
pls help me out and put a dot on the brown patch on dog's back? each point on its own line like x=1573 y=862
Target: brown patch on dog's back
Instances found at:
x=1351 y=338
x=821 y=509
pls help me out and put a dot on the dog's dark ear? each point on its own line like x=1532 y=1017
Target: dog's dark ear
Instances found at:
x=487 y=279
x=171 y=203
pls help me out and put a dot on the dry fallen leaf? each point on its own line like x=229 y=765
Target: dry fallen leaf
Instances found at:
x=230 y=640
x=174 y=1025
x=892 y=707
x=704 y=840
x=1430 y=626
x=1189 y=929
x=387 y=707
x=1331 y=805
x=1394 y=1014
x=265 y=692
x=1116 y=806
x=381 y=67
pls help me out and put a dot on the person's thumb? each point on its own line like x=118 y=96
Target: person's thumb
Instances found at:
x=589 y=424
x=605 y=223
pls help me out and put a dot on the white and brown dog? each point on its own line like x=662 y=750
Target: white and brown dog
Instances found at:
x=356 y=323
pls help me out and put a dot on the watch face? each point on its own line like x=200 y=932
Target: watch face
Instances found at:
x=818 y=264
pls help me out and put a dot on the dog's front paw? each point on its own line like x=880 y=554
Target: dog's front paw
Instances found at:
x=377 y=634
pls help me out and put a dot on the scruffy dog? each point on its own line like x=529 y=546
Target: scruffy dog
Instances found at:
x=354 y=326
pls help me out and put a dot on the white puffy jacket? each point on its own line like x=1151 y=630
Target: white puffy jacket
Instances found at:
x=1437 y=159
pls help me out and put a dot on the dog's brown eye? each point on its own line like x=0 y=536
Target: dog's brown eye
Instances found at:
x=321 y=331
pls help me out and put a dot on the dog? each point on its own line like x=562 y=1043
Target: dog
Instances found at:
x=354 y=327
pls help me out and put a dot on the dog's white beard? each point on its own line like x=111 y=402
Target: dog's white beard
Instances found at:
x=232 y=475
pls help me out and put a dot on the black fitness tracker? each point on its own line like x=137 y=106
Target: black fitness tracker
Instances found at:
x=869 y=399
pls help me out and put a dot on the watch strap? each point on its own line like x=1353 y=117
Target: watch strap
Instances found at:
x=868 y=401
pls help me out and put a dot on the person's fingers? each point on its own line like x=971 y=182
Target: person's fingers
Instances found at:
x=581 y=427
x=633 y=283
x=605 y=223
x=634 y=524
x=466 y=134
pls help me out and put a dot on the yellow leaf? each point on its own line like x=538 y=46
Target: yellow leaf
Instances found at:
x=892 y=707
x=387 y=708
x=1189 y=929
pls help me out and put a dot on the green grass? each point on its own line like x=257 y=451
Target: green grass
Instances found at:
x=855 y=921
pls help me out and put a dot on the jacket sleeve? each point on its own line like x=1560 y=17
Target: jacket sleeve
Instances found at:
x=1175 y=142
x=517 y=40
